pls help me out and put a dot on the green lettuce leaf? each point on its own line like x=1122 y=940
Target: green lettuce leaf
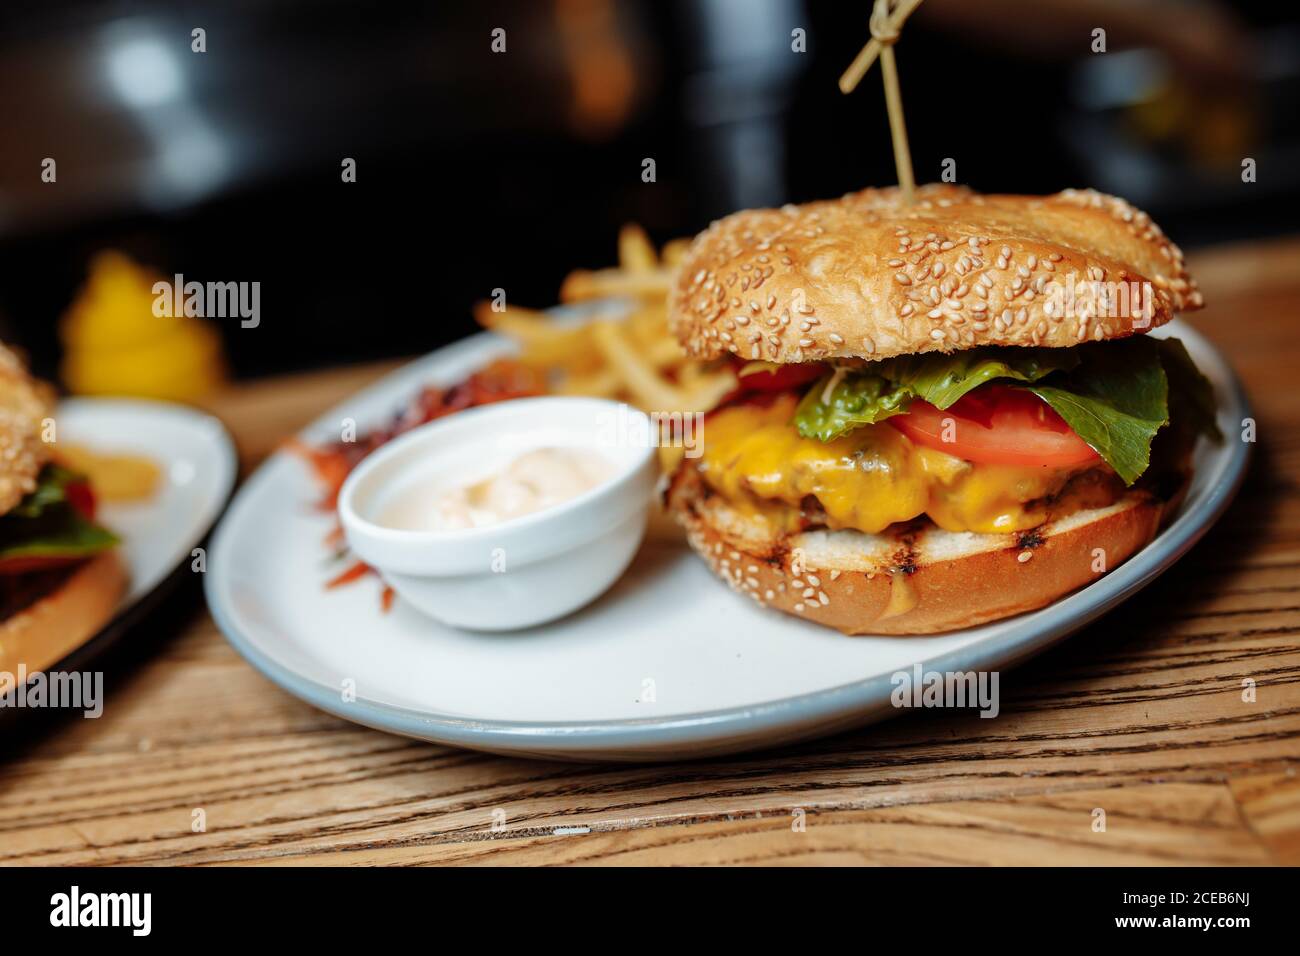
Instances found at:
x=45 y=524
x=1191 y=396
x=51 y=489
x=942 y=379
x=853 y=399
x=1115 y=395
x=1116 y=399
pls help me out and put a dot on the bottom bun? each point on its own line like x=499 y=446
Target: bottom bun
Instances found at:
x=918 y=579
x=47 y=630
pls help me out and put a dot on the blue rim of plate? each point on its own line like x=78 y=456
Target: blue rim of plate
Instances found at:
x=771 y=723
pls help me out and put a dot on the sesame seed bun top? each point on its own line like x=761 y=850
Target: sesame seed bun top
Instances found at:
x=870 y=276
x=25 y=405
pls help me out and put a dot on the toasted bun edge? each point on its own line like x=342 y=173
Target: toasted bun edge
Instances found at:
x=991 y=577
x=42 y=634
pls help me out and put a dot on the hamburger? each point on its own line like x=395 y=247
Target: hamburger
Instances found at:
x=60 y=574
x=948 y=410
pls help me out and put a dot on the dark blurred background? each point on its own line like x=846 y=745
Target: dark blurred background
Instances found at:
x=478 y=169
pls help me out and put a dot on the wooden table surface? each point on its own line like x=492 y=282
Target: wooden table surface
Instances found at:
x=1141 y=716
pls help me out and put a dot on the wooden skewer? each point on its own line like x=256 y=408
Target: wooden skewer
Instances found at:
x=885 y=26
x=867 y=55
x=897 y=129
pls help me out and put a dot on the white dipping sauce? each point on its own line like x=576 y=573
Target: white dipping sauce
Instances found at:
x=534 y=481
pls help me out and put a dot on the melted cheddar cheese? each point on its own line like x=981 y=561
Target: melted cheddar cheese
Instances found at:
x=870 y=478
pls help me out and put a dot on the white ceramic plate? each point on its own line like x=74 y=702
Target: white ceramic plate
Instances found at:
x=726 y=675
x=198 y=464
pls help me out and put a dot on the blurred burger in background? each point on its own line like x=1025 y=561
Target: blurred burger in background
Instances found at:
x=60 y=574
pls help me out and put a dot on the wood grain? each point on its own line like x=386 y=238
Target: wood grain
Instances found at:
x=1142 y=716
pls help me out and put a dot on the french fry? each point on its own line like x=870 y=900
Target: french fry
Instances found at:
x=581 y=285
x=542 y=343
x=635 y=253
x=674 y=252
x=647 y=388
x=705 y=393
x=665 y=354
x=114 y=477
x=634 y=359
x=602 y=383
x=648 y=325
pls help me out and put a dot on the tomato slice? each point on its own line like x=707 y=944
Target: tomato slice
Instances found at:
x=81 y=497
x=997 y=425
x=43 y=562
x=762 y=386
x=782 y=378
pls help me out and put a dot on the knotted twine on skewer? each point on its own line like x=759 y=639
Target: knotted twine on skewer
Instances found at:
x=885 y=27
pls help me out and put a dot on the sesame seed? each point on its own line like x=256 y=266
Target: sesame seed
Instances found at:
x=1024 y=556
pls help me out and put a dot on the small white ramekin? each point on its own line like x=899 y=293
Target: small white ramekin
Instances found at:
x=530 y=569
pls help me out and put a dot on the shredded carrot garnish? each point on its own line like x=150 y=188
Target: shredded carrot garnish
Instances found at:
x=331 y=464
x=354 y=572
